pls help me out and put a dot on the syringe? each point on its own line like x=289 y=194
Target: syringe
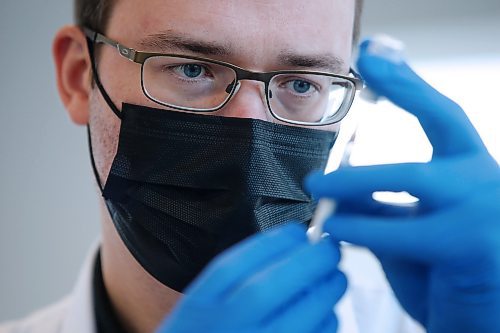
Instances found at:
x=325 y=209
x=392 y=49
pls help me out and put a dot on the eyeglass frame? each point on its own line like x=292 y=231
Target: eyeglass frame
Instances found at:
x=140 y=57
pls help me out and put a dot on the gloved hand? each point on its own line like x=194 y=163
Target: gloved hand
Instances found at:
x=442 y=257
x=272 y=282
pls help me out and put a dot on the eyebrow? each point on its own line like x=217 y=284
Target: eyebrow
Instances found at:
x=171 y=40
x=325 y=61
x=167 y=40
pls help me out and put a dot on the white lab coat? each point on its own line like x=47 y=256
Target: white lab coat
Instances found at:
x=368 y=306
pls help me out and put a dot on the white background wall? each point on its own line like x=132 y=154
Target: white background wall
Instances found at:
x=48 y=210
x=48 y=206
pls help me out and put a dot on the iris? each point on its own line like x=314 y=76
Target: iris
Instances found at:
x=192 y=70
x=301 y=86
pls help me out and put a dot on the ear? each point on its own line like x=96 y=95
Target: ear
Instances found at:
x=73 y=72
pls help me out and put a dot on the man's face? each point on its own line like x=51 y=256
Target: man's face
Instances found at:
x=256 y=35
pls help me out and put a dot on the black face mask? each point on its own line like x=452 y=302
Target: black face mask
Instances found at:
x=183 y=187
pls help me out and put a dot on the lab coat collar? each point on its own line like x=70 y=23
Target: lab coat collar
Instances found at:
x=80 y=316
x=345 y=313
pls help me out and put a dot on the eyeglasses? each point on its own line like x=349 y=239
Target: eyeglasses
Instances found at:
x=196 y=84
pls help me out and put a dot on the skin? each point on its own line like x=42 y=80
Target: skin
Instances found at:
x=247 y=28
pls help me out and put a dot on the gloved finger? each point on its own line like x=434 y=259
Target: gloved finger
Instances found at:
x=251 y=255
x=434 y=183
x=419 y=239
x=351 y=183
x=308 y=312
x=330 y=324
x=279 y=284
x=415 y=285
x=368 y=206
x=330 y=320
x=446 y=125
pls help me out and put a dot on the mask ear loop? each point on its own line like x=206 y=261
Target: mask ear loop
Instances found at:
x=92 y=160
x=97 y=80
x=116 y=111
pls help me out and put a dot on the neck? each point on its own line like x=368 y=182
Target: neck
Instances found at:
x=139 y=300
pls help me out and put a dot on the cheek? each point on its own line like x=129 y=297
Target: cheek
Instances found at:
x=105 y=129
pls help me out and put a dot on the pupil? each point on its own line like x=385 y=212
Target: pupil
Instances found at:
x=192 y=70
x=301 y=86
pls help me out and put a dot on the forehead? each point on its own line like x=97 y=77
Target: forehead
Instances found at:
x=254 y=29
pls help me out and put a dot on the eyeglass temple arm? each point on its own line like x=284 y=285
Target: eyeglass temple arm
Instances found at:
x=360 y=84
x=96 y=37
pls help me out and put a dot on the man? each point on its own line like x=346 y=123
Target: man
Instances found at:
x=204 y=118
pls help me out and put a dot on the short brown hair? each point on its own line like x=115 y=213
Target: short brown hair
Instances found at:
x=94 y=14
x=357 y=20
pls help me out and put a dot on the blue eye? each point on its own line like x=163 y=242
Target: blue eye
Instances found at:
x=301 y=86
x=192 y=70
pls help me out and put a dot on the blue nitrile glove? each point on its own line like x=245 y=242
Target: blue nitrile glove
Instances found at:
x=442 y=258
x=271 y=282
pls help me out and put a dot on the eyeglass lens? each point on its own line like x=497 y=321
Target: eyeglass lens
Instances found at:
x=203 y=86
